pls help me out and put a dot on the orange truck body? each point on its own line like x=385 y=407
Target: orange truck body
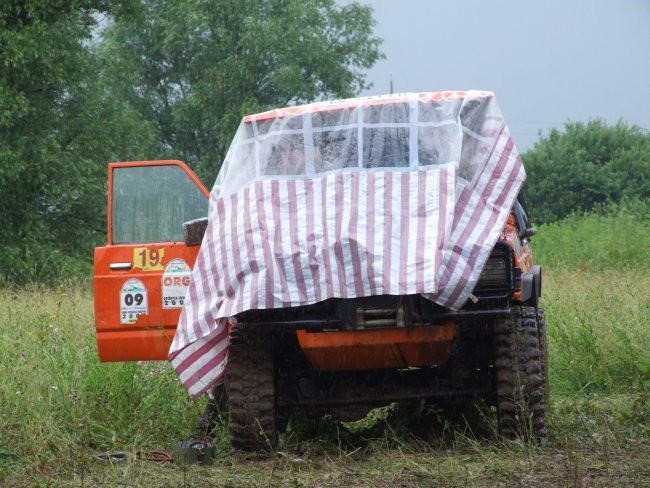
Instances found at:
x=149 y=335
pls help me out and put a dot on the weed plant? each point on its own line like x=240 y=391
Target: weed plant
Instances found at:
x=596 y=284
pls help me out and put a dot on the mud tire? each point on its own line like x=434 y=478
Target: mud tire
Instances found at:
x=520 y=374
x=541 y=334
x=250 y=389
x=215 y=409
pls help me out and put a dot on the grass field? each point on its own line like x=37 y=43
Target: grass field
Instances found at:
x=59 y=406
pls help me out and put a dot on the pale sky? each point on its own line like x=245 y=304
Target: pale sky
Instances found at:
x=546 y=61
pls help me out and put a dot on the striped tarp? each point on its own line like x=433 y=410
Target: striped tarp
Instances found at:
x=411 y=200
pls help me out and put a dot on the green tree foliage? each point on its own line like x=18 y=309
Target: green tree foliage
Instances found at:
x=58 y=127
x=84 y=82
x=196 y=67
x=586 y=166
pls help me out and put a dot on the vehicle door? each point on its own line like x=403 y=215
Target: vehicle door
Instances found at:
x=142 y=274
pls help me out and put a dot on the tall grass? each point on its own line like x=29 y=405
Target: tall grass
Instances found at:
x=595 y=291
x=598 y=330
x=58 y=402
x=615 y=238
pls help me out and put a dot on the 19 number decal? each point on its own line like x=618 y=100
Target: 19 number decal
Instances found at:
x=148 y=259
x=153 y=258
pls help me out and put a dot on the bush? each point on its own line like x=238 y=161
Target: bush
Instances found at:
x=586 y=166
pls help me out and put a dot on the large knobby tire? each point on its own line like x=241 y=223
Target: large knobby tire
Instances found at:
x=520 y=373
x=215 y=409
x=250 y=390
x=541 y=335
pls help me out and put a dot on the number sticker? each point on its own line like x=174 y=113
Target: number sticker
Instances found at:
x=175 y=281
x=133 y=301
x=148 y=259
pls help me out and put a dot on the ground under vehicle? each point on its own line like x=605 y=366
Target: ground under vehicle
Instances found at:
x=350 y=260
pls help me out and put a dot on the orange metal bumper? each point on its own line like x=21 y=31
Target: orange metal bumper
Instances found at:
x=378 y=348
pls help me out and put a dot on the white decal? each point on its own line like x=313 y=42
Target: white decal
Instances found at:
x=133 y=301
x=175 y=281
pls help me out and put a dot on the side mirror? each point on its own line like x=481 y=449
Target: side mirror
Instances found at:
x=525 y=229
x=194 y=230
x=530 y=232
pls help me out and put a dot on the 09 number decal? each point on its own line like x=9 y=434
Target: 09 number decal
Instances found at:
x=130 y=299
x=133 y=301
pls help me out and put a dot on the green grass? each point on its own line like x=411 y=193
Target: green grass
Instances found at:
x=595 y=291
x=616 y=238
x=59 y=406
x=58 y=402
x=598 y=331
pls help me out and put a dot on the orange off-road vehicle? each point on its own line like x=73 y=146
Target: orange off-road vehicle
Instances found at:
x=379 y=251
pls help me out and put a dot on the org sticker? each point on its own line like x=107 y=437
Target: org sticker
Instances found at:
x=133 y=301
x=175 y=281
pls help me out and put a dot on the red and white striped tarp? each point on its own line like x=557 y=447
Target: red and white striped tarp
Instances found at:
x=385 y=195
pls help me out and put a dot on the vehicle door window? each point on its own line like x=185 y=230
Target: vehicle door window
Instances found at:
x=150 y=204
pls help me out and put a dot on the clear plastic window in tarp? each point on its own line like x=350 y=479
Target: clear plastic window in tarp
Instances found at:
x=397 y=131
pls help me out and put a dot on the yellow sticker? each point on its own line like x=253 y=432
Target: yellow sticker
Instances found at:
x=148 y=259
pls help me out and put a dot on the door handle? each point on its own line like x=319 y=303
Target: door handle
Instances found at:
x=119 y=266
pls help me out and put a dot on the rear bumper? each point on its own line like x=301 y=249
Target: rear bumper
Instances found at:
x=347 y=335
x=378 y=348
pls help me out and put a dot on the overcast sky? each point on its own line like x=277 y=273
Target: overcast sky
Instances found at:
x=546 y=61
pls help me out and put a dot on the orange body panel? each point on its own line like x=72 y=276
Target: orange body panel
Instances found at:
x=150 y=335
x=378 y=348
x=523 y=253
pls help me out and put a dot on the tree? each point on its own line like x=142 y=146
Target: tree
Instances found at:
x=196 y=67
x=170 y=79
x=586 y=166
x=58 y=127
